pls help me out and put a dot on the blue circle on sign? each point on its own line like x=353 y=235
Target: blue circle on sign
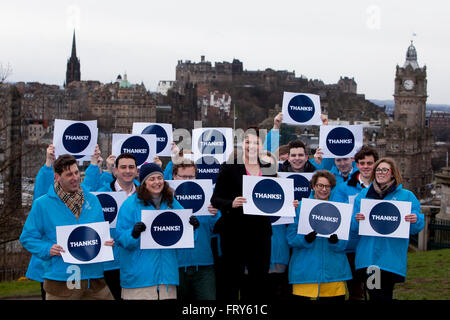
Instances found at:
x=302 y=187
x=84 y=243
x=207 y=168
x=384 y=218
x=212 y=142
x=301 y=108
x=76 y=137
x=109 y=206
x=138 y=147
x=161 y=136
x=325 y=218
x=340 y=141
x=268 y=196
x=167 y=229
x=190 y=195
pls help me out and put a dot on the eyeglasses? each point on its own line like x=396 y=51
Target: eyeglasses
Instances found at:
x=321 y=186
x=186 y=177
x=383 y=170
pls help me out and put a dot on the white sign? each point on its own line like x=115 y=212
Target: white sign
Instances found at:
x=301 y=109
x=268 y=196
x=167 y=229
x=302 y=186
x=281 y=220
x=213 y=141
x=163 y=132
x=193 y=194
x=340 y=141
x=141 y=146
x=111 y=203
x=85 y=243
x=77 y=138
x=384 y=218
x=325 y=218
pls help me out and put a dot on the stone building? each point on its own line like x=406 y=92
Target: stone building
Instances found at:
x=408 y=139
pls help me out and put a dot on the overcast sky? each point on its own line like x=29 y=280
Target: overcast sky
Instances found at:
x=318 y=39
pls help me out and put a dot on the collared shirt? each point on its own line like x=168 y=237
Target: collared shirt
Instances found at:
x=361 y=182
x=347 y=176
x=119 y=188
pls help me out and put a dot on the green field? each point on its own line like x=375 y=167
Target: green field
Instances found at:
x=427 y=279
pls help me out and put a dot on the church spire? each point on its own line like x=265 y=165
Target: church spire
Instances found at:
x=73 y=64
x=411 y=57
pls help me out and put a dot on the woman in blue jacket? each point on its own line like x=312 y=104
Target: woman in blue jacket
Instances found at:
x=318 y=267
x=387 y=254
x=150 y=274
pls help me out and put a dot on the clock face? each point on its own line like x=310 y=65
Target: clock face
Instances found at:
x=408 y=84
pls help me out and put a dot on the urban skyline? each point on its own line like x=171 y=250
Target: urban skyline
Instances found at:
x=362 y=39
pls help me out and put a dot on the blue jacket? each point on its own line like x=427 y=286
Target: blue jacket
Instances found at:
x=201 y=254
x=340 y=194
x=316 y=262
x=39 y=233
x=280 y=249
x=389 y=254
x=148 y=267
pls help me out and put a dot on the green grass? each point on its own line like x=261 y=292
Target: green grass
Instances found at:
x=20 y=288
x=427 y=278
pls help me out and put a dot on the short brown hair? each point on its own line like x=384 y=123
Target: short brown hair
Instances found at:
x=323 y=174
x=186 y=163
x=63 y=163
x=284 y=149
x=395 y=170
x=366 y=151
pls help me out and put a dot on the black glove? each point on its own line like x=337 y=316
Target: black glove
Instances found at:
x=310 y=237
x=333 y=239
x=138 y=228
x=194 y=222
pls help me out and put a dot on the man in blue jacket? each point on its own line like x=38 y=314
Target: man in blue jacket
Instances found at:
x=346 y=192
x=65 y=203
x=196 y=265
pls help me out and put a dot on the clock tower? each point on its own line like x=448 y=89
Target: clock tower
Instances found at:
x=408 y=139
x=410 y=94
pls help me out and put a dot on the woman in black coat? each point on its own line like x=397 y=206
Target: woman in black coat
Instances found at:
x=245 y=239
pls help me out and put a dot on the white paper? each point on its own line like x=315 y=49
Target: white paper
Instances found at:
x=118 y=198
x=119 y=140
x=341 y=150
x=298 y=188
x=163 y=141
x=342 y=229
x=191 y=200
x=175 y=238
x=309 y=113
x=221 y=143
x=66 y=144
x=283 y=189
x=401 y=231
x=63 y=234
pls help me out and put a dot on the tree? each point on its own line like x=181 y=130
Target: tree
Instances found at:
x=5 y=72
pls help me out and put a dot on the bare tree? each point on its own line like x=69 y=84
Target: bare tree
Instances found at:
x=5 y=71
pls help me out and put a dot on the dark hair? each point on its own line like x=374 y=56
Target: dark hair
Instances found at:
x=323 y=174
x=366 y=151
x=63 y=163
x=125 y=156
x=144 y=195
x=185 y=164
x=284 y=149
x=296 y=144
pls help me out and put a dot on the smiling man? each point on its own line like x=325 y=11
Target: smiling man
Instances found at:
x=365 y=160
x=297 y=160
x=66 y=203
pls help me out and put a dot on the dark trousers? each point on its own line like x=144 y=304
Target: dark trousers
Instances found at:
x=197 y=283
x=279 y=287
x=42 y=291
x=387 y=282
x=238 y=253
x=112 y=279
x=355 y=286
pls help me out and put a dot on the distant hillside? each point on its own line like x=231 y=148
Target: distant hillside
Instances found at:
x=390 y=105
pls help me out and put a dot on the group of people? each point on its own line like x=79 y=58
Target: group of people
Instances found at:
x=235 y=256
